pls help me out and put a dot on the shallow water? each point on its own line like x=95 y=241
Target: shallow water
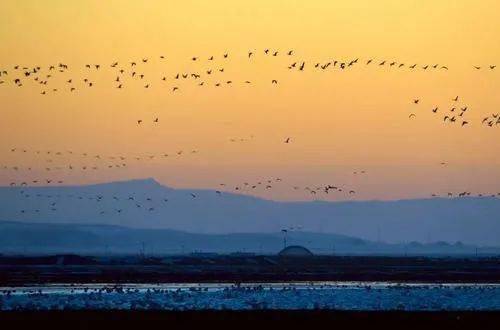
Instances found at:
x=298 y=295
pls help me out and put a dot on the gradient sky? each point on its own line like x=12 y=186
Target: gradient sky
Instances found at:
x=338 y=121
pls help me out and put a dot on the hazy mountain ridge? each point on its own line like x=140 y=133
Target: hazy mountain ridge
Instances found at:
x=470 y=220
x=37 y=238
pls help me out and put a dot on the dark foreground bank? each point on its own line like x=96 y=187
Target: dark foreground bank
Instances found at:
x=297 y=319
x=228 y=268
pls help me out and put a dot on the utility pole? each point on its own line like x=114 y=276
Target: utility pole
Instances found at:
x=143 y=250
x=284 y=231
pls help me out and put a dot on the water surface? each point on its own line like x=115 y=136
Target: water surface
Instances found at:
x=297 y=295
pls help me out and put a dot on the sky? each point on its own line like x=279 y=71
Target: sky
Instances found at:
x=338 y=121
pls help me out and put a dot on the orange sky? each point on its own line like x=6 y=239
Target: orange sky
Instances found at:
x=339 y=121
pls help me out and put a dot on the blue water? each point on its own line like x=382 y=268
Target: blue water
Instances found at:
x=300 y=295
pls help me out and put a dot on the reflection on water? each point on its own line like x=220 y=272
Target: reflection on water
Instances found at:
x=297 y=295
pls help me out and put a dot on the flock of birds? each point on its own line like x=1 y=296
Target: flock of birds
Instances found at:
x=455 y=113
x=50 y=201
x=97 y=161
x=41 y=202
x=206 y=71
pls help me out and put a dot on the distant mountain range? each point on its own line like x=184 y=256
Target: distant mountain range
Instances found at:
x=30 y=238
x=145 y=204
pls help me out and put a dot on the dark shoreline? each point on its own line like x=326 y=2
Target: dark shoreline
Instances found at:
x=231 y=269
x=246 y=319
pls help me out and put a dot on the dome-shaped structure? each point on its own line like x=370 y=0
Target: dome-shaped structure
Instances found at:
x=295 y=251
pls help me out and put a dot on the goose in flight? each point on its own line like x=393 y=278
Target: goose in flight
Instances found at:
x=411 y=116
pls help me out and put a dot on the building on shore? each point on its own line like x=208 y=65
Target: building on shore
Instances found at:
x=295 y=251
